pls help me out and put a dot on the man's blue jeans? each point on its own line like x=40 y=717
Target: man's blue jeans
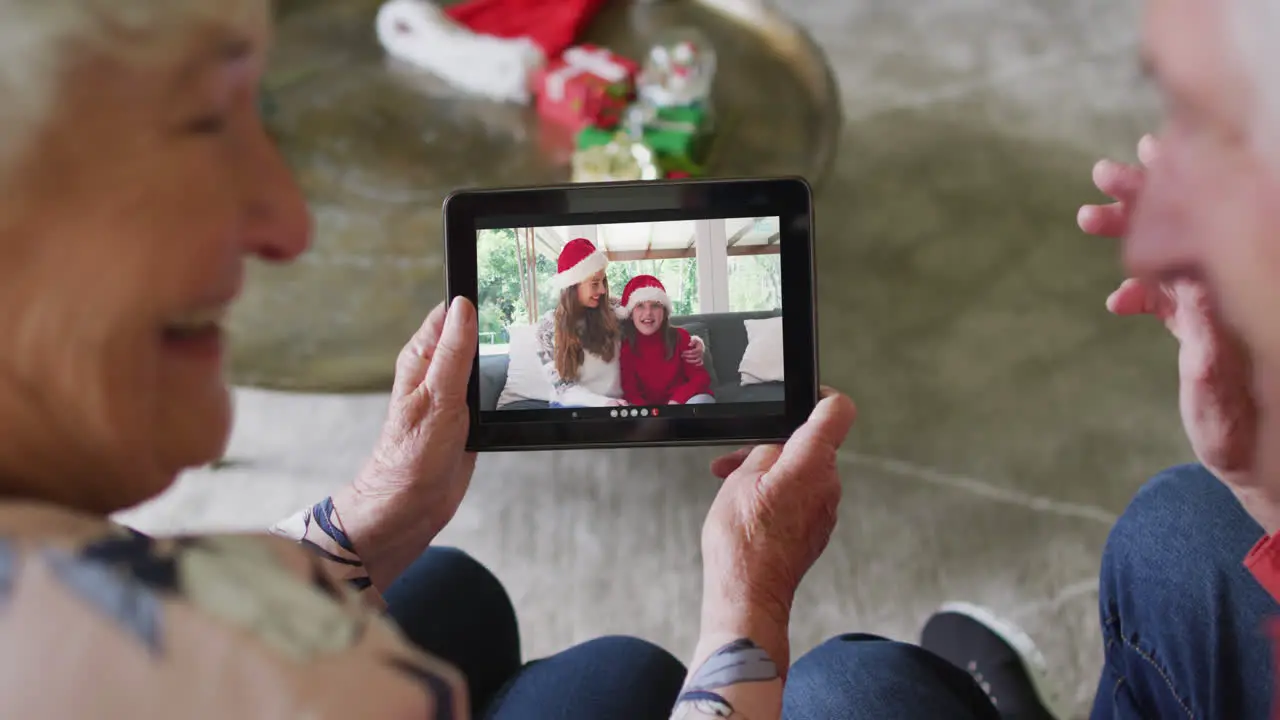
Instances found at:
x=1182 y=620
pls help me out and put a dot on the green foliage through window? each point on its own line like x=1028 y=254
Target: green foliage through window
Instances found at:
x=502 y=265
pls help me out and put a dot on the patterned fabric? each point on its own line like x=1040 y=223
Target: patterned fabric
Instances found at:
x=319 y=529
x=739 y=680
x=100 y=621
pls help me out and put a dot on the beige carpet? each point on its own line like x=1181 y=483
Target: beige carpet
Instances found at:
x=1006 y=418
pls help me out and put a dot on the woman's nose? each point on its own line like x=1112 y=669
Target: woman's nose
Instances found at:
x=278 y=223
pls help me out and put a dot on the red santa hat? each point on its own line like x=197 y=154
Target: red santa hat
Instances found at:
x=640 y=289
x=579 y=260
x=485 y=47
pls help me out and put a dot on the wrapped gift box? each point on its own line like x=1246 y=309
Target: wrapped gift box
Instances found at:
x=678 y=137
x=678 y=131
x=587 y=86
x=617 y=157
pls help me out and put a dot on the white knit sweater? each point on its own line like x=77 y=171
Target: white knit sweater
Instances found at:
x=599 y=382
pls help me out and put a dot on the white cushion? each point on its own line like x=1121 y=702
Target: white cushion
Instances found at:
x=526 y=380
x=762 y=360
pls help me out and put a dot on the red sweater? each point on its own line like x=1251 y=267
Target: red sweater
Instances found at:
x=649 y=378
x=1264 y=562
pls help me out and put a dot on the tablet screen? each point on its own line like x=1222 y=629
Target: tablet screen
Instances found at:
x=674 y=312
x=657 y=318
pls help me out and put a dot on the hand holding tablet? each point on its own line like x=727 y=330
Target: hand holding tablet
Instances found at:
x=637 y=314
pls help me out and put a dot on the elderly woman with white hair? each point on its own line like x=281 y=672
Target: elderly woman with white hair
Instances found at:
x=136 y=179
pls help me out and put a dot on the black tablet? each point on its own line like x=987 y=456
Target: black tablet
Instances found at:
x=637 y=314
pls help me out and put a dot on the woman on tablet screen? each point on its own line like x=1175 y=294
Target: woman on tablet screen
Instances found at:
x=579 y=341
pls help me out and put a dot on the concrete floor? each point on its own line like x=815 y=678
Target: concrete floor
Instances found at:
x=1006 y=418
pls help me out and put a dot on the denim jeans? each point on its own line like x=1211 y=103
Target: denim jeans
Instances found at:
x=1183 y=623
x=454 y=608
x=1182 y=620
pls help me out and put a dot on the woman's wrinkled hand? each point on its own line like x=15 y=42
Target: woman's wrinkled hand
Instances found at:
x=769 y=523
x=419 y=470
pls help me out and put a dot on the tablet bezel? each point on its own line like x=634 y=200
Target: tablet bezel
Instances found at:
x=788 y=198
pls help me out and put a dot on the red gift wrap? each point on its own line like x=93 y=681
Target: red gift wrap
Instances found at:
x=586 y=86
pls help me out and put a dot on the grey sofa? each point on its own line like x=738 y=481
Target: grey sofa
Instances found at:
x=726 y=341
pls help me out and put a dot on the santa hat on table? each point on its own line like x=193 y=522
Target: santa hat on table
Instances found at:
x=641 y=289
x=486 y=47
x=579 y=260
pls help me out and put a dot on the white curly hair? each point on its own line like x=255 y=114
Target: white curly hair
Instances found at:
x=40 y=40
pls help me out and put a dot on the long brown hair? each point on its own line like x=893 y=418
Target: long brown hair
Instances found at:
x=580 y=328
x=668 y=333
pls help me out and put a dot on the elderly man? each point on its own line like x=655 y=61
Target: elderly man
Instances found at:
x=1191 y=572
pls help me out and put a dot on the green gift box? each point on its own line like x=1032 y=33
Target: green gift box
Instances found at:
x=677 y=135
x=677 y=131
x=590 y=136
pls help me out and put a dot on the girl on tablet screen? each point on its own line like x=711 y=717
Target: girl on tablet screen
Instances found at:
x=578 y=341
x=653 y=361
